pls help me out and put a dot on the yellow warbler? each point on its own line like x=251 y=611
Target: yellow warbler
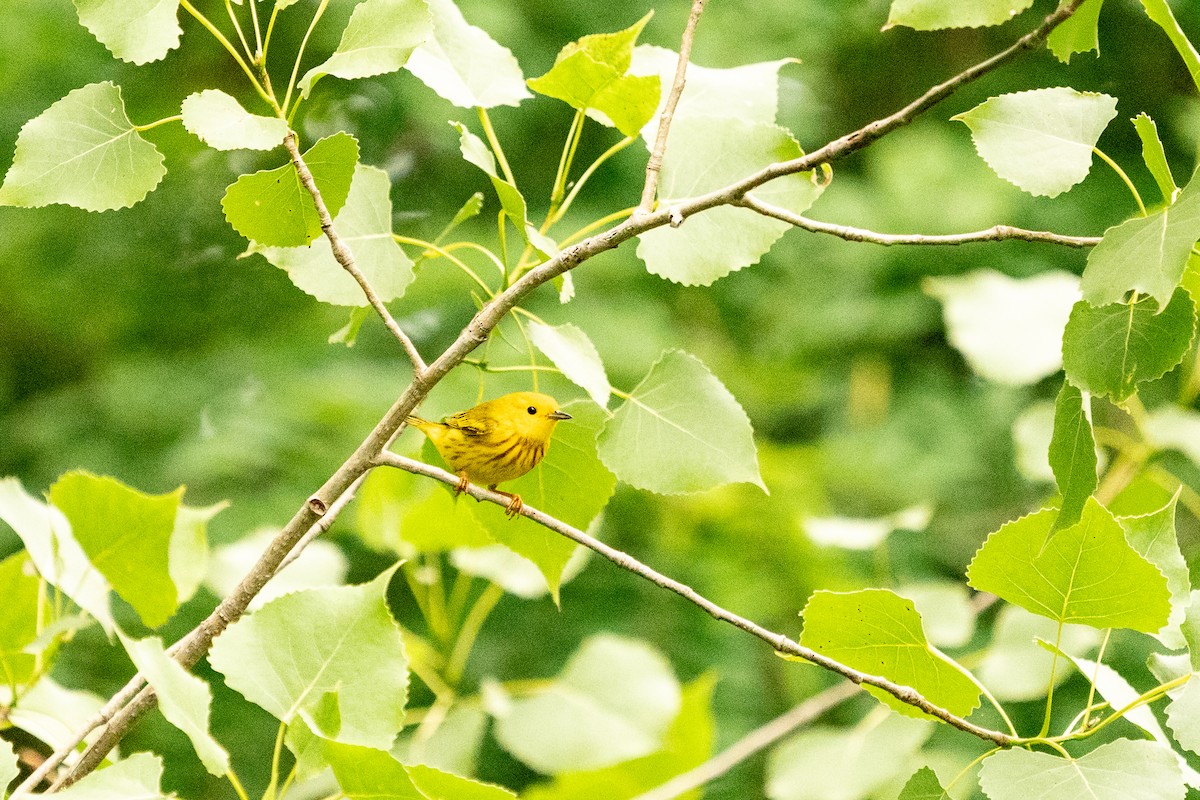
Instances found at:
x=496 y=441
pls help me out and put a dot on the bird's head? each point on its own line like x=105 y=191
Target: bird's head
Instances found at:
x=533 y=414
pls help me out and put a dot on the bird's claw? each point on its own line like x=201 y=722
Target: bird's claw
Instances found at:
x=462 y=484
x=515 y=506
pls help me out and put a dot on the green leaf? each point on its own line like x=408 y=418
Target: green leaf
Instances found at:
x=137 y=31
x=1160 y=13
x=83 y=151
x=320 y=564
x=930 y=15
x=613 y=701
x=134 y=778
x=516 y=574
x=990 y=320
x=477 y=153
x=1183 y=715
x=367 y=774
x=348 y=333
x=573 y=352
x=1086 y=574
x=687 y=744
x=188 y=551
x=923 y=785
x=1041 y=140
x=380 y=38
x=1109 y=350
x=18 y=620
x=1120 y=770
x=8 y=766
x=1153 y=537
x=704 y=154
x=184 y=699
x=845 y=764
x=52 y=713
x=1015 y=668
x=846 y=626
x=1191 y=629
x=58 y=558
x=127 y=537
x=1078 y=34
x=1146 y=254
x=411 y=514
x=463 y=64
x=749 y=92
x=1073 y=453
x=333 y=658
x=591 y=74
x=365 y=225
x=273 y=209
x=570 y=484
x=452 y=747
x=1156 y=157
x=219 y=121
x=680 y=431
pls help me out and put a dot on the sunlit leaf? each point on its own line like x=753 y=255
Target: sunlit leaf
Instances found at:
x=573 y=352
x=273 y=209
x=463 y=64
x=188 y=550
x=946 y=613
x=1014 y=667
x=1073 y=453
x=1120 y=770
x=928 y=15
x=219 y=121
x=51 y=712
x=127 y=537
x=514 y=573
x=1086 y=574
x=321 y=564
x=1153 y=537
x=138 y=31
x=858 y=533
x=134 y=778
x=83 y=151
x=1161 y=14
x=18 y=619
x=1009 y=330
x=1172 y=427
x=452 y=747
x=8 y=765
x=365 y=225
x=1183 y=715
x=184 y=699
x=1078 y=33
x=680 y=431
x=1155 y=157
x=366 y=774
x=1041 y=140
x=845 y=764
x=1109 y=350
x=614 y=701
x=333 y=658
x=380 y=38
x=704 y=154
x=1146 y=254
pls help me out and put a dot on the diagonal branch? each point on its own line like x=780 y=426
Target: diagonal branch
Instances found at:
x=995 y=233
x=778 y=641
x=341 y=252
x=654 y=165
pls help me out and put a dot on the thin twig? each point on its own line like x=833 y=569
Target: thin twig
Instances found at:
x=752 y=743
x=654 y=165
x=193 y=646
x=341 y=252
x=778 y=641
x=993 y=234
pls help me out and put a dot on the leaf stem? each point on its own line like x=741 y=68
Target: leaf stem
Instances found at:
x=1050 y=683
x=458 y=262
x=259 y=53
x=475 y=246
x=236 y=784
x=151 y=125
x=1087 y=709
x=277 y=752
x=494 y=143
x=469 y=632
x=270 y=30
x=1120 y=172
x=982 y=688
x=287 y=97
x=558 y=188
x=215 y=31
x=587 y=173
x=237 y=27
x=597 y=225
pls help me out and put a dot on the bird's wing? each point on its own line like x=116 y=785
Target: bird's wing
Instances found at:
x=471 y=425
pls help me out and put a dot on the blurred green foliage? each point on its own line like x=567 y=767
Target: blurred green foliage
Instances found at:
x=138 y=344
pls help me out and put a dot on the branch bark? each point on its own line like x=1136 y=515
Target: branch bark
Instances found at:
x=778 y=641
x=995 y=233
x=194 y=645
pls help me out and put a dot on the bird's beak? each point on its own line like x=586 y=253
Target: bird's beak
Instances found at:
x=559 y=415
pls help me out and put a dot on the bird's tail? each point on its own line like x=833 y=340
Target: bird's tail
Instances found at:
x=417 y=422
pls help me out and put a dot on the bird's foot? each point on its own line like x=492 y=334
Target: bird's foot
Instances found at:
x=515 y=503
x=462 y=484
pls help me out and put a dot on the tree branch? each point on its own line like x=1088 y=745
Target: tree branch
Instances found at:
x=193 y=646
x=752 y=743
x=995 y=233
x=668 y=113
x=778 y=641
x=341 y=252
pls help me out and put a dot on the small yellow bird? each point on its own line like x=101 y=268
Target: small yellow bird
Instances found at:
x=496 y=441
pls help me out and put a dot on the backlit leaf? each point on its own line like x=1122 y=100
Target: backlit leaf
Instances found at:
x=1078 y=34
x=134 y=778
x=928 y=15
x=138 y=31
x=219 y=121
x=879 y=632
x=1040 y=140
x=1153 y=537
x=1014 y=667
x=1161 y=14
x=379 y=38
x=1073 y=453
x=680 y=431
x=573 y=352
x=83 y=151
x=1155 y=157
x=18 y=619
x=1120 y=770
x=1183 y=715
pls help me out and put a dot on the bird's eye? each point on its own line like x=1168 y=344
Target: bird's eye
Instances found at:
x=531 y=410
